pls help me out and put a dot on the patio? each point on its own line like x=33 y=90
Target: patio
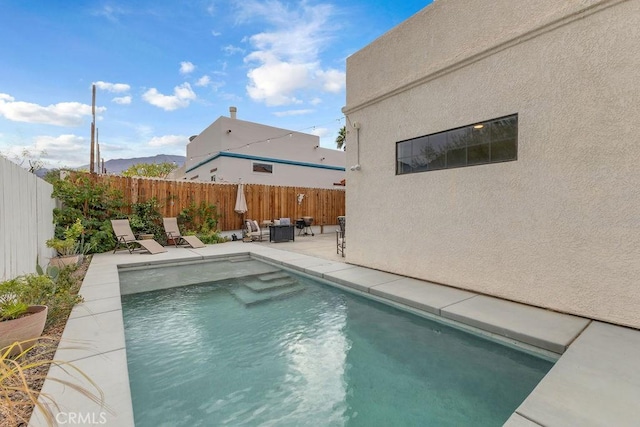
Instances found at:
x=596 y=380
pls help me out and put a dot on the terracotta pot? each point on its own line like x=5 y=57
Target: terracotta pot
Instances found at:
x=25 y=330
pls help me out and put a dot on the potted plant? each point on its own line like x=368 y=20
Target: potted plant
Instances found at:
x=70 y=249
x=19 y=321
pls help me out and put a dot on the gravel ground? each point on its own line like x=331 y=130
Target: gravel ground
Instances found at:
x=40 y=355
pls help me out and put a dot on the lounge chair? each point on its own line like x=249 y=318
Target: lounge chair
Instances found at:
x=173 y=234
x=341 y=237
x=126 y=239
x=252 y=230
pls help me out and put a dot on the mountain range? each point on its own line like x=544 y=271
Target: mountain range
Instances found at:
x=116 y=166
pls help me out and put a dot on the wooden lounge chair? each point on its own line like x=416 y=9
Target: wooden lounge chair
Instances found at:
x=173 y=234
x=125 y=239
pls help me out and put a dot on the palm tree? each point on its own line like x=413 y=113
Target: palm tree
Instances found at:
x=342 y=138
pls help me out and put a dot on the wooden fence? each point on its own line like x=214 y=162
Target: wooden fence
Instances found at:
x=264 y=202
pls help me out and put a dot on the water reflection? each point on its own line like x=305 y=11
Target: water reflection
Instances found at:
x=317 y=355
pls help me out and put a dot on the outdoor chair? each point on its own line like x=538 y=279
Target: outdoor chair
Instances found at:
x=341 y=237
x=253 y=231
x=125 y=239
x=174 y=235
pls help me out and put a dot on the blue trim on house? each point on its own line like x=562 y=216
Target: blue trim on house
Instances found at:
x=265 y=159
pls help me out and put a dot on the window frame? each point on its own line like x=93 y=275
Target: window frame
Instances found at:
x=255 y=162
x=428 y=156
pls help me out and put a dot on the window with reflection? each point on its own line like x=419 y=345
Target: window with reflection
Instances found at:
x=491 y=141
x=262 y=167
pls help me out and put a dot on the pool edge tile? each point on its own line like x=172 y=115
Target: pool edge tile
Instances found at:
x=420 y=294
x=518 y=321
x=594 y=383
x=109 y=371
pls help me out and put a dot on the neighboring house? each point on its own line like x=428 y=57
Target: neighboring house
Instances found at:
x=232 y=150
x=498 y=149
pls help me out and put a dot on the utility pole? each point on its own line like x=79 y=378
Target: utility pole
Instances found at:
x=92 y=168
x=98 y=151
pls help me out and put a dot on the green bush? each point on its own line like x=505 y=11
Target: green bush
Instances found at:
x=210 y=237
x=59 y=294
x=70 y=244
x=94 y=203
x=201 y=221
x=147 y=219
x=11 y=309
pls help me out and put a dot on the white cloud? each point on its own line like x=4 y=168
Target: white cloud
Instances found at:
x=231 y=50
x=169 y=140
x=320 y=132
x=285 y=64
x=111 y=13
x=231 y=97
x=215 y=33
x=112 y=87
x=144 y=131
x=332 y=80
x=123 y=100
x=186 y=67
x=61 y=114
x=275 y=82
x=315 y=101
x=181 y=97
x=292 y=113
x=55 y=151
x=59 y=146
x=203 y=81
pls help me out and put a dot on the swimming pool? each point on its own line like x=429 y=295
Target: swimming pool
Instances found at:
x=268 y=347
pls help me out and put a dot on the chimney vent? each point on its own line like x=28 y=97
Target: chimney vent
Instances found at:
x=232 y=112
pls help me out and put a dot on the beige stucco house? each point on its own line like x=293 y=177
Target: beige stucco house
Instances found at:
x=234 y=150
x=498 y=146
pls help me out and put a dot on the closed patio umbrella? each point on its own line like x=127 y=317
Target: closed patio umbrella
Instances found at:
x=241 y=201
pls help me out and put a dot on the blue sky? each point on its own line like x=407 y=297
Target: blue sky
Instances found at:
x=165 y=70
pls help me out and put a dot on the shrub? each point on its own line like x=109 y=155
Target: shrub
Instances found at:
x=94 y=203
x=59 y=294
x=11 y=309
x=199 y=219
x=70 y=244
x=146 y=218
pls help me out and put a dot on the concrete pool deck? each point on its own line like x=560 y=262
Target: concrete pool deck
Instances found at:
x=596 y=380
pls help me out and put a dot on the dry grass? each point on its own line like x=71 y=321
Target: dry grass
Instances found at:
x=22 y=376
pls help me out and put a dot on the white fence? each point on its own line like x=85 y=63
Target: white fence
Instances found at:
x=26 y=220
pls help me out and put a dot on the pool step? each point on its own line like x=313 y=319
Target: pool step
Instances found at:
x=258 y=286
x=249 y=298
x=273 y=276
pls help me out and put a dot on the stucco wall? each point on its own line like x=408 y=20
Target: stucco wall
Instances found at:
x=316 y=166
x=559 y=227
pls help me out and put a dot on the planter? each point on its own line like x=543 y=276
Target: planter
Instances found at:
x=62 y=261
x=25 y=330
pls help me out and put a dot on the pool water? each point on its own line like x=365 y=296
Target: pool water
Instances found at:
x=276 y=349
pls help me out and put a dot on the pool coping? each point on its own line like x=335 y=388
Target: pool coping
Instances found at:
x=590 y=383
